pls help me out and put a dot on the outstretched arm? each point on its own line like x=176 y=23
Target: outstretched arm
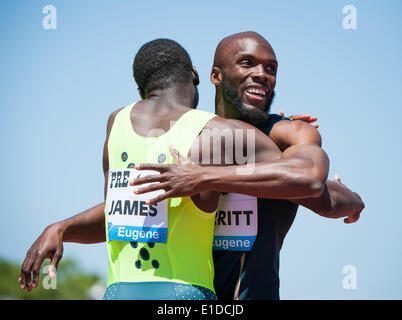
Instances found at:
x=297 y=174
x=337 y=201
x=86 y=227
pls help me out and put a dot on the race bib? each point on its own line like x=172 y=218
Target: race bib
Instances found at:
x=129 y=218
x=235 y=222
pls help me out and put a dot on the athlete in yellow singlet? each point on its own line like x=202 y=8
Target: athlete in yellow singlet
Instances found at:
x=181 y=268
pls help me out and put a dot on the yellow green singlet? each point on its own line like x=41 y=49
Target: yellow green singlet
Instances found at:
x=181 y=268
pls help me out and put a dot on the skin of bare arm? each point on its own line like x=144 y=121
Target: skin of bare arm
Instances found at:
x=303 y=164
x=299 y=172
x=213 y=139
x=86 y=227
x=336 y=200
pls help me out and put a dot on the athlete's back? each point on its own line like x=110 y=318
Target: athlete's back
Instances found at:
x=179 y=265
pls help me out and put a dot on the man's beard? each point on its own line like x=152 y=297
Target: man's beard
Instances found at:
x=254 y=116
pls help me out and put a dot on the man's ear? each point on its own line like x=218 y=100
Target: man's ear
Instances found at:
x=141 y=92
x=196 y=78
x=216 y=75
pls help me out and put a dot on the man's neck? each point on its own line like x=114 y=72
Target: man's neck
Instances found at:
x=225 y=109
x=172 y=96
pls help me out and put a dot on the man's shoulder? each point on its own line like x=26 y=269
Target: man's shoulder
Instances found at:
x=272 y=120
x=113 y=115
x=295 y=132
x=220 y=123
x=115 y=112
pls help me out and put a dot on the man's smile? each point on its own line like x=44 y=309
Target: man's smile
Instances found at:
x=256 y=95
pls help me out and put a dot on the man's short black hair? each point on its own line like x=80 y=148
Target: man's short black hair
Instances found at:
x=160 y=64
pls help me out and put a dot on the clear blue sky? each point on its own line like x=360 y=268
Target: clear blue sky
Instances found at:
x=58 y=88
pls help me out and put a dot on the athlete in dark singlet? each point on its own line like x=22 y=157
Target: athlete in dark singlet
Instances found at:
x=244 y=73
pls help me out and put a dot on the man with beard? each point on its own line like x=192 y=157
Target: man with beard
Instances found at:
x=163 y=252
x=335 y=201
x=244 y=74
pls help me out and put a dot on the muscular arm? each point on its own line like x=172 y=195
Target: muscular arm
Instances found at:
x=86 y=227
x=336 y=200
x=299 y=172
x=89 y=226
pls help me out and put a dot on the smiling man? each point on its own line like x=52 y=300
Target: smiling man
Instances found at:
x=244 y=75
x=240 y=94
